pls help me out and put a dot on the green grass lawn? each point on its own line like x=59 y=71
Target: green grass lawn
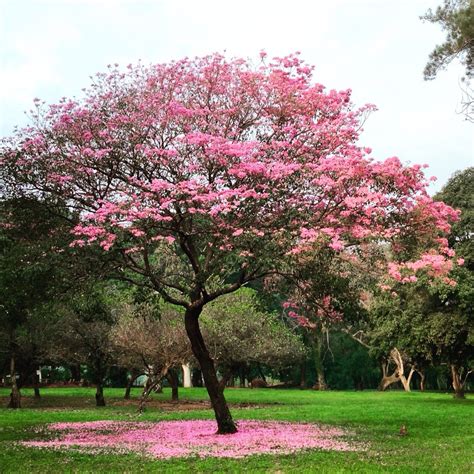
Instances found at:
x=440 y=430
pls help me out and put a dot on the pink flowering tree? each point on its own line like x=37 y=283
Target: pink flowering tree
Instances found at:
x=203 y=174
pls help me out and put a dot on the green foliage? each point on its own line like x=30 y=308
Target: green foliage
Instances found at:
x=348 y=365
x=81 y=330
x=29 y=234
x=31 y=275
x=238 y=332
x=459 y=193
x=456 y=17
x=430 y=325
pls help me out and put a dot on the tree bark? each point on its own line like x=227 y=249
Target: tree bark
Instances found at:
x=75 y=373
x=387 y=380
x=422 y=375
x=457 y=382
x=15 y=395
x=398 y=374
x=99 y=396
x=173 y=380
x=225 y=423
x=196 y=378
x=303 y=375
x=153 y=383
x=187 y=383
x=242 y=376
x=133 y=376
x=406 y=381
x=318 y=362
x=36 y=383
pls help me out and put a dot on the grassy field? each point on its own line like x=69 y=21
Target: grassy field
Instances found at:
x=440 y=430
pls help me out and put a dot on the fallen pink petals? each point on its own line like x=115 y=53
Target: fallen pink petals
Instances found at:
x=169 y=439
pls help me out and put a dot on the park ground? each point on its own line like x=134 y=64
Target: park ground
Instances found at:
x=440 y=430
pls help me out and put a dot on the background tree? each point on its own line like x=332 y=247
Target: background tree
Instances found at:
x=238 y=333
x=202 y=175
x=325 y=294
x=152 y=339
x=456 y=17
x=425 y=325
x=83 y=335
x=31 y=274
x=459 y=301
x=433 y=323
x=459 y=193
x=348 y=364
x=397 y=334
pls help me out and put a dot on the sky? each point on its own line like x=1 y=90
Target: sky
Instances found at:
x=377 y=48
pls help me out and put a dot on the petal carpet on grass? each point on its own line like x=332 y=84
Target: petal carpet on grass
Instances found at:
x=169 y=439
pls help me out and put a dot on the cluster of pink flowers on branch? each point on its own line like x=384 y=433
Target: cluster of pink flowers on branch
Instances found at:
x=169 y=439
x=307 y=314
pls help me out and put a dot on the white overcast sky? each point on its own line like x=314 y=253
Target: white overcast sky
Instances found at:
x=378 y=48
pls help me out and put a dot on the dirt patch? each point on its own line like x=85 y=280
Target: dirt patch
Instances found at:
x=186 y=405
x=165 y=405
x=58 y=402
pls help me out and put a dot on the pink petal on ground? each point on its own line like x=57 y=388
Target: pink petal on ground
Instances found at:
x=168 y=439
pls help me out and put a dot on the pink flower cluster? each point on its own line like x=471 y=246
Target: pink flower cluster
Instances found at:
x=168 y=439
x=435 y=265
x=307 y=318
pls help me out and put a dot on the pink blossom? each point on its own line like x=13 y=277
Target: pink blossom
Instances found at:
x=336 y=244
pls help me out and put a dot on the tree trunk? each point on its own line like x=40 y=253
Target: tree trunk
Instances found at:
x=318 y=362
x=242 y=376
x=15 y=395
x=187 y=383
x=36 y=382
x=303 y=375
x=196 y=378
x=387 y=380
x=225 y=424
x=260 y=372
x=75 y=373
x=457 y=382
x=399 y=373
x=133 y=376
x=173 y=380
x=406 y=381
x=99 y=396
x=153 y=383
x=422 y=375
